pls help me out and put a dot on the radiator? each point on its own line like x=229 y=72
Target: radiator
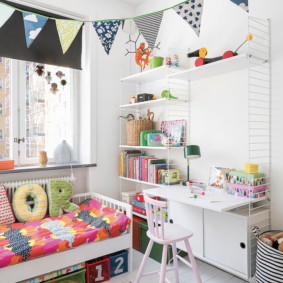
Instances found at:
x=12 y=186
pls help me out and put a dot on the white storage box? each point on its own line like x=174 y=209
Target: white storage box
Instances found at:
x=128 y=196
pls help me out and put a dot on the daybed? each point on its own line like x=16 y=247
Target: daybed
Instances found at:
x=86 y=245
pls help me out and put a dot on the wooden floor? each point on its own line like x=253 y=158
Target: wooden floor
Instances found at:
x=208 y=273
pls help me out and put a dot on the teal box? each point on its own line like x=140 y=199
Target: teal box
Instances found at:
x=155 y=139
x=143 y=136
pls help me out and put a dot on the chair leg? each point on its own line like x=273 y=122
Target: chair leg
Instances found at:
x=145 y=257
x=175 y=261
x=193 y=261
x=163 y=264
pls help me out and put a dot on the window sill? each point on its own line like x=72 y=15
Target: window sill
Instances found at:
x=48 y=167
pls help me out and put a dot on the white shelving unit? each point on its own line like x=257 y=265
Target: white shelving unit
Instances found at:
x=165 y=109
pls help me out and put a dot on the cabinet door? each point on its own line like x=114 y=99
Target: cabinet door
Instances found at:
x=225 y=240
x=189 y=217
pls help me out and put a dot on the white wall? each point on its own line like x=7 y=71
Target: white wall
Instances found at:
x=224 y=26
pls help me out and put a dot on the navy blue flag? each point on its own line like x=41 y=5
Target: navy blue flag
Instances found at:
x=191 y=12
x=106 y=32
x=244 y=4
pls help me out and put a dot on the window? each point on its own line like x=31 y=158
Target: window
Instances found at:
x=44 y=96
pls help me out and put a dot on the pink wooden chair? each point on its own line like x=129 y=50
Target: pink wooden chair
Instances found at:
x=165 y=234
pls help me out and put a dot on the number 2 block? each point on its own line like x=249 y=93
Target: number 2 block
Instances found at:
x=118 y=263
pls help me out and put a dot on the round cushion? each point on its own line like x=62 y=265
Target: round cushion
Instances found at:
x=30 y=203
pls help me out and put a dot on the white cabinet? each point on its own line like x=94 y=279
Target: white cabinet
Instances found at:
x=226 y=240
x=191 y=218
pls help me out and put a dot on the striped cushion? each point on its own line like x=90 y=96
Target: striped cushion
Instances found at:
x=6 y=213
x=269 y=264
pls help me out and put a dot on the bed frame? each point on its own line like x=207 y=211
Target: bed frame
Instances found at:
x=53 y=262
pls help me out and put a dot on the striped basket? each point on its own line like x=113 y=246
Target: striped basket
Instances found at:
x=269 y=261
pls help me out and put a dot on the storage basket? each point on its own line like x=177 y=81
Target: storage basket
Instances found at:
x=134 y=127
x=269 y=261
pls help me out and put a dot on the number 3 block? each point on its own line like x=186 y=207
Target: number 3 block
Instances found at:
x=118 y=263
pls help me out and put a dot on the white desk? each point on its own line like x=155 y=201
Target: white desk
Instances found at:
x=221 y=225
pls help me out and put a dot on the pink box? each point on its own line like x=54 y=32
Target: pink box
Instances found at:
x=246 y=191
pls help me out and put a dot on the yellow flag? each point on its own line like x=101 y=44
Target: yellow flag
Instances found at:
x=67 y=31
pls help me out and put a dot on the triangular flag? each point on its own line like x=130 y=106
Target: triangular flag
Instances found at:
x=244 y=4
x=33 y=26
x=106 y=32
x=67 y=31
x=191 y=12
x=149 y=26
x=5 y=13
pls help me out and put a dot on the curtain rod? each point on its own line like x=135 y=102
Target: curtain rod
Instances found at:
x=43 y=7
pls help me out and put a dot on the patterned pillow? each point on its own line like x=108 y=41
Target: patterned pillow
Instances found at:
x=59 y=195
x=6 y=212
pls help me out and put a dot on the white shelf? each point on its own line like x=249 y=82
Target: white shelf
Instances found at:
x=153 y=103
x=149 y=147
x=232 y=64
x=140 y=215
x=141 y=182
x=150 y=75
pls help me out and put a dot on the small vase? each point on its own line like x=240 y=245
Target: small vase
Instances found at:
x=42 y=159
x=62 y=153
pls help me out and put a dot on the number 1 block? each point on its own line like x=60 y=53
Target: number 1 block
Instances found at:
x=97 y=270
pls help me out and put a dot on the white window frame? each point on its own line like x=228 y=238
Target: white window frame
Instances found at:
x=2 y=138
x=22 y=116
x=2 y=109
x=2 y=83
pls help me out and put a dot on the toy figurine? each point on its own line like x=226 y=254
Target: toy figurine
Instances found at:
x=175 y=62
x=167 y=94
x=133 y=99
x=142 y=55
x=39 y=69
x=168 y=61
x=54 y=88
x=48 y=77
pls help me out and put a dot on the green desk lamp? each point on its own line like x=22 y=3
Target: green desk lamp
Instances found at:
x=191 y=152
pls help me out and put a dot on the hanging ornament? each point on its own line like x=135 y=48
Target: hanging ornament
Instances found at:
x=48 y=77
x=54 y=88
x=39 y=69
x=60 y=74
x=63 y=82
x=142 y=55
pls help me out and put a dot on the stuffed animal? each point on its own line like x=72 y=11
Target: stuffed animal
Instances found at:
x=267 y=241
x=280 y=242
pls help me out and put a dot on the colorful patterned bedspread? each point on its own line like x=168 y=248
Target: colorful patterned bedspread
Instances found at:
x=93 y=222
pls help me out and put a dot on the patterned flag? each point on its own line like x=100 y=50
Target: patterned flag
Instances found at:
x=106 y=32
x=5 y=13
x=191 y=12
x=149 y=27
x=244 y=4
x=67 y=31
x=33 y=26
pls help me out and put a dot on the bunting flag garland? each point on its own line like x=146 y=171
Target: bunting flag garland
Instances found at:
x=33 y=26
x=244 y=4
x=67 y=31
x=149 y=27
x=191 y=12
x=5 y=13
x=106 y=32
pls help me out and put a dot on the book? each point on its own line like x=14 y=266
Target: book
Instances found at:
x=145 y=168
x=151 y=168
x=157 y=174
x=140 y=164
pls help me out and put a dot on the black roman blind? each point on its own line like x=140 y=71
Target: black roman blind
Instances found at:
x=45 y=49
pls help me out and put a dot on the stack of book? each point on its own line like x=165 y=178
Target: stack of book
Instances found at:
x=136 y=165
